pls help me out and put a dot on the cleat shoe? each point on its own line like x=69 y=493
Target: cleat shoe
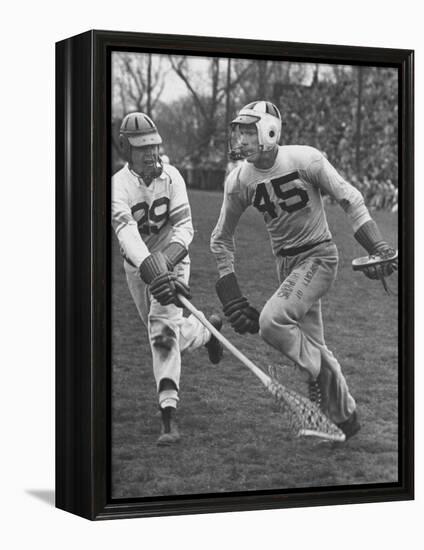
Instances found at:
x=314 y=392
x=351 y=426
x=214 y=346
x=169 y=434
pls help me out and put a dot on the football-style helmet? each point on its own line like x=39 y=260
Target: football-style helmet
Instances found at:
x=267 y=119
x=139 y=130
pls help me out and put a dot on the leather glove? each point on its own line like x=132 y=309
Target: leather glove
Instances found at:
x=163 y=284
x=385 y=269
x=369 y=236
x=166 y=287
x=242 y=316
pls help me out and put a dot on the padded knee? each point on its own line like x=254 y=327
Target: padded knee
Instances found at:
x=163 y=339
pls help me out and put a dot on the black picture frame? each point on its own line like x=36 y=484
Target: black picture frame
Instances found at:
x=83 y=413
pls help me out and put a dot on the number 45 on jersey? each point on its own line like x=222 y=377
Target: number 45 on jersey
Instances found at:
x=262 y=200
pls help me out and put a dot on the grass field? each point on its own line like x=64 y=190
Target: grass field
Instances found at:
x=232 y=439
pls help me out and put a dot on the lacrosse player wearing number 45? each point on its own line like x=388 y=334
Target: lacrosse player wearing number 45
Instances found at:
x=152 y=220
x=285 y=184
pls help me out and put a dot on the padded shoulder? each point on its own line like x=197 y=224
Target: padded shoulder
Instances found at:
x=301 y=155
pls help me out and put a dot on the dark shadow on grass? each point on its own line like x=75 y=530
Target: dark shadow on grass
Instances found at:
x=45 y=495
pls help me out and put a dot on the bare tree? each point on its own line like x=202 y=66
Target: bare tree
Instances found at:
x=228 y=94
x=262 y=79
x=140 y=80
x=208 y=99
x=360 y=78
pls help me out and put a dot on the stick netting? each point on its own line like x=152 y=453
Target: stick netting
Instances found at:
x=305 y=418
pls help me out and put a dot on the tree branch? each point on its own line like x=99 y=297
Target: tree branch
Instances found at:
x=184 y=78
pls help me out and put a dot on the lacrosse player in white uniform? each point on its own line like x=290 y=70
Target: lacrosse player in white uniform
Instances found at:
x=285 y=183
x=152 y=220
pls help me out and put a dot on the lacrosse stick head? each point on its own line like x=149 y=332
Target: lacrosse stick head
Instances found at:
x=378 y=266
x=305 y=418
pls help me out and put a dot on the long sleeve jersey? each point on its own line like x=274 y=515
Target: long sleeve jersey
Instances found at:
x=289 y=196
x=146 y=218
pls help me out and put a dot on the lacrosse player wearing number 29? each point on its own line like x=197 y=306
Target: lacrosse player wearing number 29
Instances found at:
x=152 y=220
x=285 y=183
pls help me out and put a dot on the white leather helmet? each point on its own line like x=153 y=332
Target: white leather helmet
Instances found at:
x=267 y=119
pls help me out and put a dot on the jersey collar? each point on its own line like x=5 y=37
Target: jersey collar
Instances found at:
x=140 y=180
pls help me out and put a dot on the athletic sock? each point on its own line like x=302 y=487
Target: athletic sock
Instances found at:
x=168 y=398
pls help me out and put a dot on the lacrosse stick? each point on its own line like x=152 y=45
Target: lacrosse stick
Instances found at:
x=306 y=418
x=379 y=264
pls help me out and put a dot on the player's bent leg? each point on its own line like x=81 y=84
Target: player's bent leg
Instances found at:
x=329 y=389
x=166 y=357
x=280 y=329
x=214 y=347
x=291 y=322
x=163 y=330
x=339 y=402
x=281 y=318
x=193 y=334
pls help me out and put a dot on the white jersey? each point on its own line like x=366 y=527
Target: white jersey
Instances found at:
x=289 y=195
x=146 y=218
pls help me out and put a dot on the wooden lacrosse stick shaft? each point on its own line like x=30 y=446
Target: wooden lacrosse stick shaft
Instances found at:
x=264 y=378
x=286 y=395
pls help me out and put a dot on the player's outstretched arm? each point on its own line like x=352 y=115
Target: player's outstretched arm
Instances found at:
x=222 y=242
x=243 y=317
x=321 y=173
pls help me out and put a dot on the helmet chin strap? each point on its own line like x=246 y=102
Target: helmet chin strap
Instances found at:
x=264 y=159
x=236 y=153
x=151 y=173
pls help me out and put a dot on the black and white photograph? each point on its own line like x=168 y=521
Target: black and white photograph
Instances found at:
x=254 y=324
x=271 y=403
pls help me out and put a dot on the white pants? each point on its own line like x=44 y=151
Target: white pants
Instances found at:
x=291 y=322
x=169 y=332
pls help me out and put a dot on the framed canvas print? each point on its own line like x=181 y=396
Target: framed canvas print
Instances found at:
x=234 y=274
